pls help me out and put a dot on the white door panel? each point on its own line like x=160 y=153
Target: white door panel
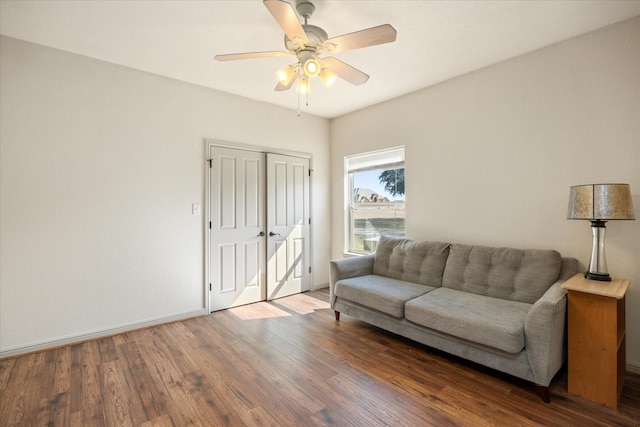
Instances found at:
x=237 y=252
x=287 y=225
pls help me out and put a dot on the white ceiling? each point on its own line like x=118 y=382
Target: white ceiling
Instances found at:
x=437 y=40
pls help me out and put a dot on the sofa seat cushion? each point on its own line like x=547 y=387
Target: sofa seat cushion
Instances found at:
x=380 y=293
x=484 y=320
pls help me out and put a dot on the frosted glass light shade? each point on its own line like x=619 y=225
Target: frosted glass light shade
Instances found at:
x=328 y=78
x=303 y=86
x=285 y=75
x=311 y=67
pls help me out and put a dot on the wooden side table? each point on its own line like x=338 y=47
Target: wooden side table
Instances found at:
x=597 y=359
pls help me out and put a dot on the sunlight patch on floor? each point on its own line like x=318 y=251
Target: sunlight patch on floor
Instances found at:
x=302 y=303
x=283 y=307
x=259 y=310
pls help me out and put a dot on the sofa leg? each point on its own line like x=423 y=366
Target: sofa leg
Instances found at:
x=543 y=392
x=337 y=315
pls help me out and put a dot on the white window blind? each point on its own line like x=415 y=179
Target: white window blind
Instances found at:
x=384 y=159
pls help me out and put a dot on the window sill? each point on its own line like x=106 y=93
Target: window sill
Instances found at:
x=353 y=254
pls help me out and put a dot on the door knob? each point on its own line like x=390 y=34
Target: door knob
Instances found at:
x=271 y=233
x=261 y=234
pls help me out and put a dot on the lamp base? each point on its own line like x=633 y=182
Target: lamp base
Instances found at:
x=595 y=276
x=598 y=265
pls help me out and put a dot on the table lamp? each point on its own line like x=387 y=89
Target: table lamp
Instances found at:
x=599 y=203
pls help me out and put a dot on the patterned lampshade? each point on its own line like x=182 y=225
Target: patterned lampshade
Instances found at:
x=600 y=202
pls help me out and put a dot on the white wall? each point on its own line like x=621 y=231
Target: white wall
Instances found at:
x=490 y=155
x=99 y=167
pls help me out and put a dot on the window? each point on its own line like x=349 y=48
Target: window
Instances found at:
x=375 y=198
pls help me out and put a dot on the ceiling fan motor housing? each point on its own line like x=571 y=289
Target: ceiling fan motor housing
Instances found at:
x=316 y=37
x=307 y=53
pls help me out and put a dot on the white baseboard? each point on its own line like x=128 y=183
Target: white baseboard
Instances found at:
x=101 y=333
x=633 y=367
x=320 y=286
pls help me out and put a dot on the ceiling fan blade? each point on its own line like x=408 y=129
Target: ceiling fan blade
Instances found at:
x=280 y=87
x=364 y=38
x=345 y=71
x=248 y=55
x=287 y=19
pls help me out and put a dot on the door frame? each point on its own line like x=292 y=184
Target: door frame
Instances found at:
x=206 y=218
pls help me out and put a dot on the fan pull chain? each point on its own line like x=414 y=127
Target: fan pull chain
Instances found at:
x=306 y=97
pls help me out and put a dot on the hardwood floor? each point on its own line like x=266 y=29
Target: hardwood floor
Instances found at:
x=283 y=363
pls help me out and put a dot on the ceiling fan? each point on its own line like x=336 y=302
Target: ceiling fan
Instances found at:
x=308 y=42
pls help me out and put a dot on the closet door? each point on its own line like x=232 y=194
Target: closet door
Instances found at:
x=287 y=225
x=237 y=243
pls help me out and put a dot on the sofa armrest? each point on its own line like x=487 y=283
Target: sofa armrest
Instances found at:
x=545 y=328
x=346 y=268
x=544 y=331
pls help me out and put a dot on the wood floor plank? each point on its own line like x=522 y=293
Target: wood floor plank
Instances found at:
x=145 y=387
x=117 y=409
x=61 y=382
x=281 y=363
x=87 y=394
x=258 y=417
x=54 y=411
x=5 y=372
x=163 y=421
x=20 y=399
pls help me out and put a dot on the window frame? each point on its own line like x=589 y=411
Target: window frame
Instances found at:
x=389 y=158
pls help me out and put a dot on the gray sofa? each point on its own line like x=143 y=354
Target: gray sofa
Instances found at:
x=500 y=307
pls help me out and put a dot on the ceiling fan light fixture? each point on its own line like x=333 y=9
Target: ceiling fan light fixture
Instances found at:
x=308 y=43
x=285 y=75
x=327 y=78
x=312 y=67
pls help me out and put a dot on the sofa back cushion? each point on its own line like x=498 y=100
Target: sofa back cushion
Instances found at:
x=512 y=274
x=411 y=261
